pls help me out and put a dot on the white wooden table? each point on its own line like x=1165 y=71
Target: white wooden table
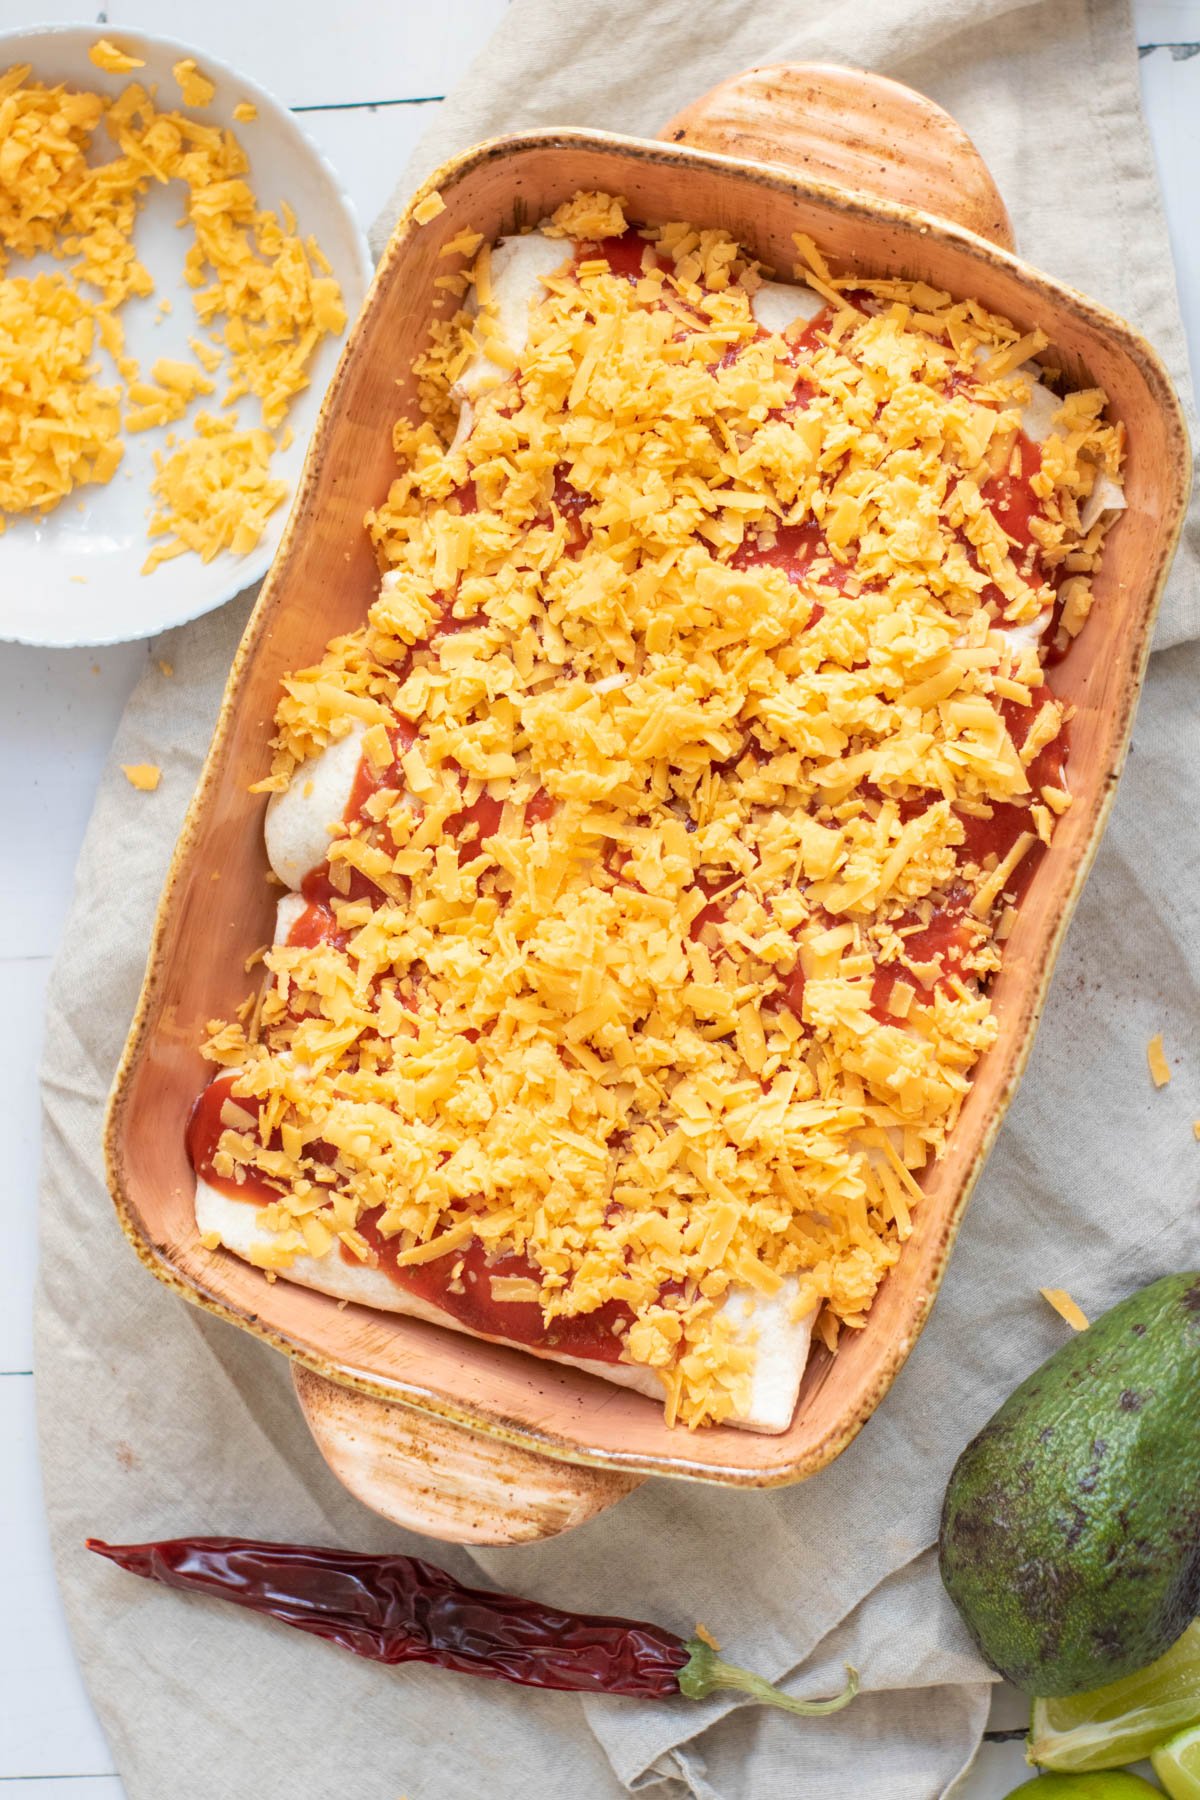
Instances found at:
x=365 y=96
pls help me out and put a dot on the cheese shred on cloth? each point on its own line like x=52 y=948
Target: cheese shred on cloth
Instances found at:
x=158 y=1420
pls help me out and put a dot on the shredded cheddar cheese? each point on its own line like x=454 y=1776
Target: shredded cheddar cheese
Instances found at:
x=58 y=427
x=143 y=776
x=248 y=267
x=167 y=398
x=1156 y=1057
x=427 y=210
x=214 y=490
x=106 y=55
x=44 y=137
x=196 y=89
x=266 y=295
x=658 y=954
x=1065 y=1307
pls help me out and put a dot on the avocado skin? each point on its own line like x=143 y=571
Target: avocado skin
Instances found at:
x=1070 y=1535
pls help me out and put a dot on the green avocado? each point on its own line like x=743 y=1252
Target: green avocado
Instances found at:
x=1070 y=1539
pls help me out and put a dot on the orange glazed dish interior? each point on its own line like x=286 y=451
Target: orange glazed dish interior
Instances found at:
x=650 y=849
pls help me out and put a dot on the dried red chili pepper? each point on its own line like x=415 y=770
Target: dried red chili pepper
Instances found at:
x=395 y=1609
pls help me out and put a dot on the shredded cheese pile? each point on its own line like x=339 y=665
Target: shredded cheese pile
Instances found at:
x=58 y=428
x=215 y=490
x=265 y=295
x=630 y=1035
x=44 y=135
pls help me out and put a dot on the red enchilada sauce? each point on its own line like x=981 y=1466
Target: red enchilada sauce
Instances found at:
x=459 y=1283
x=203 y=1137
x=317 y=924
x=794 y=549
x=629 y=255
x=1012 y=499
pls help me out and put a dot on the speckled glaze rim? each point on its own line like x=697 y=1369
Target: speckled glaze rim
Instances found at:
x=872 y=213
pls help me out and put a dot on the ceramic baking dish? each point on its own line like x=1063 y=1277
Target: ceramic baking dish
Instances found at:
x=836 y=127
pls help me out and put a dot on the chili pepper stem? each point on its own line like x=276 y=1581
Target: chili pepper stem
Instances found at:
x=705 y=1672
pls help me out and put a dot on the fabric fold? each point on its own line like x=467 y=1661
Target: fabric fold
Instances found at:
x=915 y=1655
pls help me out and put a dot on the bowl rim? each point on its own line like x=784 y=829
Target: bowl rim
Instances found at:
x=1176 y=478
x=245 y=571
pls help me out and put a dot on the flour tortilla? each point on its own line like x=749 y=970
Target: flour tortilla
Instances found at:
x=300 y=821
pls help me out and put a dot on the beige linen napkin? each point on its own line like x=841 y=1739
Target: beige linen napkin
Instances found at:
x=156 y=1419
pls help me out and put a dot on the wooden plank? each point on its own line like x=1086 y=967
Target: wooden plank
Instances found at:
x=368 y=146
x=388 y=50
x=58 y=712
x=47 y=1726
x=22 y=997
x=61 y=1787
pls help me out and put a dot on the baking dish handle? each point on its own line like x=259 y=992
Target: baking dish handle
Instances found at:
x=438 y=1478
x=851 y=129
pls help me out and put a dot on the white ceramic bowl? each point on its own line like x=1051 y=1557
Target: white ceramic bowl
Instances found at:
x=73 y=577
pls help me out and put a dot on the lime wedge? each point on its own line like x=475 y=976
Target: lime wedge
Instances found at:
x=1123 y=1721
x=1108 y=1785
x=1177 y=1764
